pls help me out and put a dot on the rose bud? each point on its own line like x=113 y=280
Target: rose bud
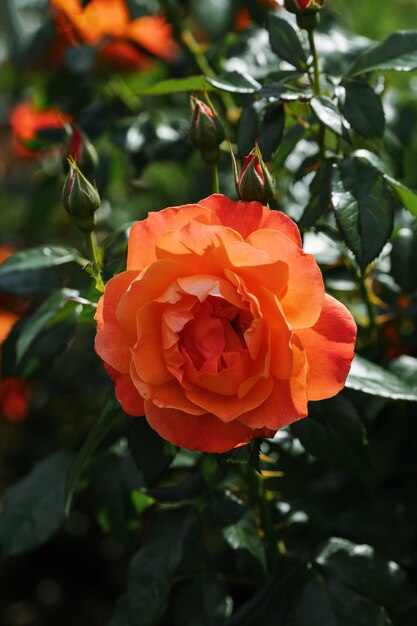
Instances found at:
x=254 y=182
x=299 y=6
x=206 y=131
x=80 y=198
x=78 y=147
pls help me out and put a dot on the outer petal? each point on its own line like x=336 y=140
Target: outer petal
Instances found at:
x=329 y=348
x=144 y=235
x=126 y=393
x=246 y=217
x=196 y=432
x=304 y=297
x=112 y=341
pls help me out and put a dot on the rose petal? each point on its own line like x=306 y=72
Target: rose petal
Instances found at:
x=196 y=432
x=194 y=240
x=288 y=400
x=247 y=217
x=113 y=342
x=147 y=353
x=303 y=300
x=149 y=285
x=228 y=408
x=329 y=348
x=145 y=234
x=126 y=393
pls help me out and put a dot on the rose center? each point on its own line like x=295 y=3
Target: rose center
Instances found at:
x=215 y=335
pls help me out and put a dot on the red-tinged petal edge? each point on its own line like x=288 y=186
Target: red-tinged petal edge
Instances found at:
x=329 y=346
x=126 y=393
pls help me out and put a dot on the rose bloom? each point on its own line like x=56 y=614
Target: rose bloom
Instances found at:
x=123 y=43
x=219 y=330
x=26 y=120
x=14 y=392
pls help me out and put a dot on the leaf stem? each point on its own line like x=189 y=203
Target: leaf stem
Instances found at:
x=94 y=255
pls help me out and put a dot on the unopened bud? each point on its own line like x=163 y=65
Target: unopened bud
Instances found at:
x=80 y=198
x=299 y=6
x=206 y=131
x=255 y=182
x=79 y=148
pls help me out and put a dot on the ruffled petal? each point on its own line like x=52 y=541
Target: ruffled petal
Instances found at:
x=126 y=393
x=303 y=300
x=329 y=348
x=247 y=217
x=113 y=342
x=144 y=235
x=196 y=432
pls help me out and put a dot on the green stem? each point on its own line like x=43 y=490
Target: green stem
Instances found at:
x=93 y=252
x=373 y=326
x=315 y=81
x=215 y=178
x=200 y=60
x=316 y=75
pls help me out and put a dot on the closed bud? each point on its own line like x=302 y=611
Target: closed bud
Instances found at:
x=299 y=6
x=80 y=198
x=206 y=131
x=255 y=182
x=79 y=148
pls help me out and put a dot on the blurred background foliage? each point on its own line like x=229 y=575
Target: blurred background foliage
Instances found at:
x=327 y=533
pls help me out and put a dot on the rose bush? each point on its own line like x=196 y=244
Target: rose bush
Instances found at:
x=220 y=330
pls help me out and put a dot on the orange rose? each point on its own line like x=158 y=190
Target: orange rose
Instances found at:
x=220 y=330
x=124 y=43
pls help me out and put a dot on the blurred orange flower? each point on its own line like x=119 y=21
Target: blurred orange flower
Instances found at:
x=14 y=392
x=124 y=43
x=26 y=120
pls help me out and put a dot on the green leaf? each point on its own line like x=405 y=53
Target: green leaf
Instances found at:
x=363 y=109
x=271 y=605
x=334 y=434
x=405 y=367
x=285 y=41
x=263 y=123
x=369 y=574
x=238 y=527
x=40 y=336
x=369 y=378
x=398 y=52
x=151 y=572
x=109 y=418
x=330 y=603
x=33 y=508
x=329 y=115
x=235 y=82
x=152 y=454
x=201 y=602
x=37 y=258
x=406 y=196
x=175 y=85
x=363 y=207
x=404 y=259
x=320 y=196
